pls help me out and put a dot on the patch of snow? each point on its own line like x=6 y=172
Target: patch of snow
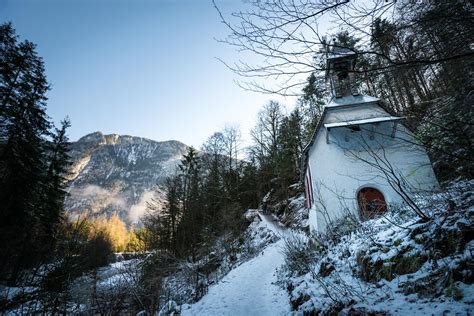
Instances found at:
x=132 y=156
x=78 y=167
x=365 y=121
x=351 y=100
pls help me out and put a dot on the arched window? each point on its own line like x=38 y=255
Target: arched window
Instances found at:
x=371 y=203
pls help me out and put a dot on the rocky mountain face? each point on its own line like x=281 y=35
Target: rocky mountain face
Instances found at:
x=115 y=173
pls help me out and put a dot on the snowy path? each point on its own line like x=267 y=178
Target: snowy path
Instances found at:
x=249 y=289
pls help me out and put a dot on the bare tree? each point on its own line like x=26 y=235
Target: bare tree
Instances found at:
x=288 y=37
x=232 y=139
x=214 y=147
x=265 y=132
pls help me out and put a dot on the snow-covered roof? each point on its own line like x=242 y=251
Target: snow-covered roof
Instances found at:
x=340 y=52
x=351 y=100
x=364 y=121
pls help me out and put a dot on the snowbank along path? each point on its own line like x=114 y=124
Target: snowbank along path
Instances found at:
x=250 y=288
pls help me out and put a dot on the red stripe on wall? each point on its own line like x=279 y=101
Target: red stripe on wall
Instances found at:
x=308 y=188
x=310 y=185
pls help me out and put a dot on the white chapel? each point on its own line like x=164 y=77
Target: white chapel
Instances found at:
x=361 y=160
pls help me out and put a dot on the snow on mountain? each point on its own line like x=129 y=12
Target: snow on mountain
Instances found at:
x=117 y=173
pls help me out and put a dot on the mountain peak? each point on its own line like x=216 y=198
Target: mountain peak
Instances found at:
x=114 y=139
x=95 y=137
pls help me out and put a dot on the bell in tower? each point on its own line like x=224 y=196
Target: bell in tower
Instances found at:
x=340 y=72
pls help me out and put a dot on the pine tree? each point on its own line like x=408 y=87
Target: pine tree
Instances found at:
x=30 y=178
x=55 y=189
x=290 y=147
x=193 y=213
x=171 y=213
x=311 y=105
x=248 y=190
x=22 y=157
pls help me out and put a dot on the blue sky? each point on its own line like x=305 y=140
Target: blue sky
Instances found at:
x=137 y=67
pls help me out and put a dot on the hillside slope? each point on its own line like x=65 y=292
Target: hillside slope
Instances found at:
x=396 y=264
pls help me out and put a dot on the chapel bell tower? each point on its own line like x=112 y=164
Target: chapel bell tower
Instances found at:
x=340 y=73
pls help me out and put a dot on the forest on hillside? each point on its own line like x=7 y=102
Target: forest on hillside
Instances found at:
x=415 y=56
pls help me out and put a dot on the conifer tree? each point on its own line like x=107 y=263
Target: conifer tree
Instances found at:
x=193 y=213
x=290 y=147
x=171 y=212
x=22 y=157
x=55 y=189
x=311 y=105
x=30 y=169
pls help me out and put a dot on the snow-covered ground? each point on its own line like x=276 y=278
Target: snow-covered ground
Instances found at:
x=392 y=265
x=249 y=289
x=395 y=264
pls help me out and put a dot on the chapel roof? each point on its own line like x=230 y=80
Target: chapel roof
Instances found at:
x=341 y=102
x=340 y=52
x=350 y=100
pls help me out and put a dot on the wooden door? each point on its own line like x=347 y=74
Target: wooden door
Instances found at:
x=371 y=203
